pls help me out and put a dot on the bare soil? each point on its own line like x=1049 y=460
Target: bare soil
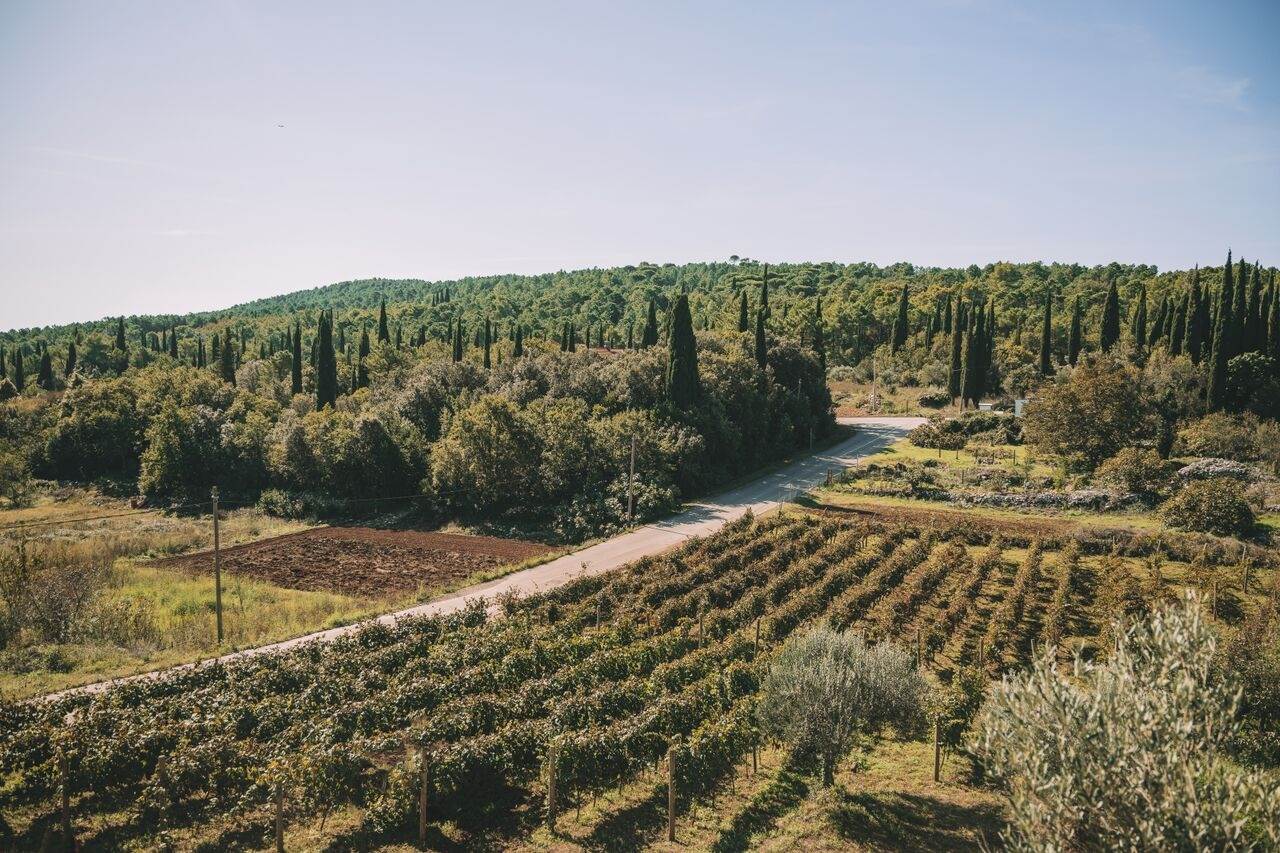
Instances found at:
x=363 y=561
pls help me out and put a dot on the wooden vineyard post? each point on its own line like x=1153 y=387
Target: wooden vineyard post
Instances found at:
x=217 y=567
x=553 y=757
x=68 y=839
x=937 y=750
x=423 y=782
x=671 y=788
x=279 y=816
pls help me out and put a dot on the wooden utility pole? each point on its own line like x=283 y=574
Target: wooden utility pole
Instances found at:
x=553 y=757
x=68 y=839
x=279 y=816
x=671 y=788
x=217 y=567
x=631 y=484
x=425 y=772
x=937 y=750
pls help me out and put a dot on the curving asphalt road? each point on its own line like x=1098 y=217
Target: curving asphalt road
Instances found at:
x=697 y=519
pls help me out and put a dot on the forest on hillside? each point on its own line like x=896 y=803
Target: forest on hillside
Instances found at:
x=518 y=397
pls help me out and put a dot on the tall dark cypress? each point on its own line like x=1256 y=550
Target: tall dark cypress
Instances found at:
x=1193 y=339
x=457 y=341
x=384 y=334
x=1138 y=323
x=683 y=386
x=173 y=342
x=987 y=380
x=1178 y=332
x=899 y=336
x=1160 y=325
x=326 y=363
x=744 y=322
x=120 y=344
x=1046 y=338
x=70 y=367
x=819 y=337
x=44 y=378
x=1074 y=336
x=946 y=317
x=1273 y=323
x=762 y=347
x=227 y=364
x=649 y=336
x=295 y=353
x=573 y=337
x=3 y=358
x=764 y=291
x=1255 y=330
x=362 y=367
x=19 y=372
x=631 y=335
x=972 y=366
x=517 y=349
x=1223 y=342
x=1109 y=331
x=1240 y=310
x=955 y=382
x=488 y=343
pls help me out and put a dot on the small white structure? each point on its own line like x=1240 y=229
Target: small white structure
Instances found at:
x=1018 y=406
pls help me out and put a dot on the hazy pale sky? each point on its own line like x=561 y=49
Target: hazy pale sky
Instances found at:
x=175 y=156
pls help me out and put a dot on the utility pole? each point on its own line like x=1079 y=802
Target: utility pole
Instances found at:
x=631 y=484
x=217 y=567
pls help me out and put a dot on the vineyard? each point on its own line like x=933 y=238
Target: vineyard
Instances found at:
x=593 y=685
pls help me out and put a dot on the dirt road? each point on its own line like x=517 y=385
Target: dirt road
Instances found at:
x=698 y=519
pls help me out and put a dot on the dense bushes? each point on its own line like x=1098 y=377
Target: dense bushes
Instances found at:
x=1211 y=506
x=954 y=433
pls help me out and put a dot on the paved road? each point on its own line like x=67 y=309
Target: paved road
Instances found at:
x=697 y=519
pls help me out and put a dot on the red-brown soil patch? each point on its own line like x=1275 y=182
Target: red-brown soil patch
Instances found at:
x=364 y=561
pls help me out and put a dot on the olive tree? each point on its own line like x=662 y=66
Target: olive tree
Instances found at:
x=1128 y=754
x=827 y=687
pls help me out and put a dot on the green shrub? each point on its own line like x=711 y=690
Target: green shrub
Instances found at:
x=1135 y=469
x=1210 y=506
x=935 y=399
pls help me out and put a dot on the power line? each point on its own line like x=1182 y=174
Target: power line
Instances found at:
x=23 y=524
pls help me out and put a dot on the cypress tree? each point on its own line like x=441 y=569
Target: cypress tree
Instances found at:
x=242 y=343
x=744 y=322
x=986 y=379
x=631 y=336
x=3 y=374
x=955 y=384
x=683 y=386
x=44 y=378
x=457 y=341
x=899 y=336
x=1046 y=338
x=1178 y=332
x=19 y=373
x=70 y=367
x=173 y=342
x=384 y=335
x=1222 y=342
x=762 y=347
x=1109 y=332
x=399 y=340
x=649 y=337
x=1273 y=326
x=573 y=337
x=1138 y=323
x=928 y=332
x=215 y=347
x=517 y=351
x=488 y=332
x=326 y=363
x=1255 y=327
x=295 y=366
x=200 y=352
x=946 y=317
x=361 y=379
x=120 y=344
x=1193 y=340
x=1159 y=326
x=1240 y=311
x=227 y=364
x=1074 y=336
x=764 y=291
x=819 y=338
x=972 y=361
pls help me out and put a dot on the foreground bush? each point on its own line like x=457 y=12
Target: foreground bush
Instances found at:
x=827 y=687
x=1128 y=755
x=1210 y=506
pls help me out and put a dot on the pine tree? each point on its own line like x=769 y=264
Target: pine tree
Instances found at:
x=1138 y=324
x=488 y=343
x=1193 y=339
x=326 y=363
x=899 y=336
x=955 y=377
x=762 y=346
x=683 y=386
x=649 y=337
x=295 y=367
x=120 y=344
x=1074 y=336
x=1046 y=338
x=227 y=364
x=517 y=350
x=1223 y=342
x=1109 y=332
x=384 y=335
x=744 y=322
x=70 y=367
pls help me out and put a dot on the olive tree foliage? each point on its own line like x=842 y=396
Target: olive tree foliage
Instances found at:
x=1128 y=754
x=826 y=688
x=1089 y=415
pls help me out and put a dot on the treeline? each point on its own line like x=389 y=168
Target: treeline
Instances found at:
x=538 y=433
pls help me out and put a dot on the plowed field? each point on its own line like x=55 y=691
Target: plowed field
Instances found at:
x=362 y=560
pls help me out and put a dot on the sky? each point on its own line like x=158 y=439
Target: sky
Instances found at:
x=178 y=156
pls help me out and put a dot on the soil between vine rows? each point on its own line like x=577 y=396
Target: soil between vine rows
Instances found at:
x=363 y=561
